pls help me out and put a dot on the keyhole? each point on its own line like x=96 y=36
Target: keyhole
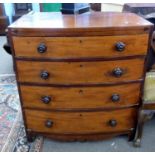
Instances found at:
x=81 y=91
x=80 y=41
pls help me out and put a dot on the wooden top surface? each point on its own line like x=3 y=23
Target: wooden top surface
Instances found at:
x=89 y=24
x=88 y=20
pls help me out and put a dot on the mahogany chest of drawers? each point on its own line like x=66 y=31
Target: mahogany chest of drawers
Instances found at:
x=80 y=77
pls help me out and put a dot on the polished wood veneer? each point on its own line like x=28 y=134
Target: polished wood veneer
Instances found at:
x=80 y=77
x=91 y=24
x=74 y=47
x=82 y=98
x=80 y=123
x=80 y=72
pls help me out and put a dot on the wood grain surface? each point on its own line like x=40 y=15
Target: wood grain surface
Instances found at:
x=76 y=122
x=90 y=24
x=80 y=72
x=80 y=98
x=74 y=47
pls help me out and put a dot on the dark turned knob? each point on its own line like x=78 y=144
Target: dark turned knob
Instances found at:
x=46 y=99
x=112 y=123
x=49 y=123
x=44 y=75
x=42 y=48
x=115 y=97
x=120 y=46
x=117 y=72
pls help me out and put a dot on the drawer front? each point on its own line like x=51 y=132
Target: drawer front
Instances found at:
x=80 y=72
x=72 y=47
x=80 y=98
x=84 y=122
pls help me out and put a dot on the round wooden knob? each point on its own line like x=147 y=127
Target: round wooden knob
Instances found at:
x=44 y=75
x=117 y=72
x=115 y=97
x=112 y=123
x=49 y=123
x=120 y=46
x=42 y=48
x=46 y=99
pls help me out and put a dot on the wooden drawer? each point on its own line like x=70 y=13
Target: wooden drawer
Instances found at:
x=80 y=98
x=81 y=122
x=80 y=72
x=72 y=47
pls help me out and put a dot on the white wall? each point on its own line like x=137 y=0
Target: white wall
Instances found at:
x=36 y=7
x=112 y=7
x=9 y=10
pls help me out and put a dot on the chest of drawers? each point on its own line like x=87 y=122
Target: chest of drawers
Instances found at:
x=80 y=77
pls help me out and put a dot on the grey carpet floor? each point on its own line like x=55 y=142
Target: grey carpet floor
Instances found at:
x=6 y=64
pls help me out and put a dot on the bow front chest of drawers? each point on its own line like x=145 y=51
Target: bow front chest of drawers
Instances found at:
x=80 y=77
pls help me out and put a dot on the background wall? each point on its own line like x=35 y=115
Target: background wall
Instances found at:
x=112 y=7
x=36 y=7
x=9 y=10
